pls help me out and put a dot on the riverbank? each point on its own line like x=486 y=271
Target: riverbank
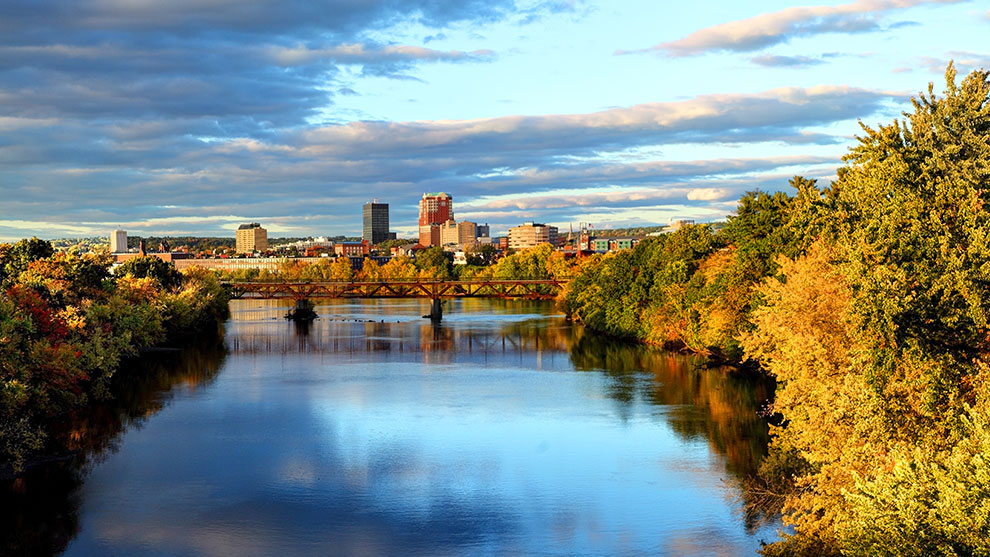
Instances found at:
x=68 y=326
x=869 y=302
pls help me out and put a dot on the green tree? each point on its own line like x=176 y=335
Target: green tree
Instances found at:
x=435 y=263
x=482 y=256
x=15 y=258
x=150 y=266
x=880 y=340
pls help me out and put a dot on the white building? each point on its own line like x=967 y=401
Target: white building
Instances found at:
x=532 y=234
x=118 y=241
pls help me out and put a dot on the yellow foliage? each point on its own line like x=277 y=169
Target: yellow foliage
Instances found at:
x=74 y=319
x=805 y=336
x=136 y=290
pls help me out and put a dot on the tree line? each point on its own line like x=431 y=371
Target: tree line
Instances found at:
x=868 y=301
x=67 y=323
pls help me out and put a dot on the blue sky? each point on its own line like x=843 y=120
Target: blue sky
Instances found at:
x=192 y=117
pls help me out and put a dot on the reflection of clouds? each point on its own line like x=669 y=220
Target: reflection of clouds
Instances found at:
x=297 y=472
x=324 y=450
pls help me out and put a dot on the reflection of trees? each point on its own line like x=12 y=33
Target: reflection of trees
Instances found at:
x=39 y=510
x=708 y=403
x=434 y=343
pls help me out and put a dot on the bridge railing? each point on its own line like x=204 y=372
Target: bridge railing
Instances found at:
x=400 y=288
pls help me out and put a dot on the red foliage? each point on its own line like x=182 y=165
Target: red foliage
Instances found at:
x=46 y=320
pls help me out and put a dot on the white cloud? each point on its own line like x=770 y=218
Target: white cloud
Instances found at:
x=708 y=194
x=356 y=53
x=776 y=27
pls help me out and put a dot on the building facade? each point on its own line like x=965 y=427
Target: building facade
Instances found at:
x=375 y=222
x=676 y=225
x=352 y=249
x=435 y=209
x=118 y=241
x=532 y=234
x=251 y=238
x=461 y=234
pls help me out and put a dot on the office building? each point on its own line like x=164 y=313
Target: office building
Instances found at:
x=435 y=209
x=532 y=234
x=375 y=222
x=118 y=241
x=251 y=238
x=461 y=234
x=482 y=231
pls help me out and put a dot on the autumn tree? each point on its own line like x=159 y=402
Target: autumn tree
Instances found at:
x=880 y=341
x=153 y=267
x=435 y=263
x=15 y=258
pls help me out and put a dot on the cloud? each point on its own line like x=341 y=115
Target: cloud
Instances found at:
x=361 y=54
x=775 y=61
x=268 y=17
x=964 y=62
x=768 y=29
x=240 y=69
x=303 y=178
x=192 y=116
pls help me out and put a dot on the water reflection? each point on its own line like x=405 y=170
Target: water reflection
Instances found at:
x=39 y=510
x=503 y=429
x=699 y=402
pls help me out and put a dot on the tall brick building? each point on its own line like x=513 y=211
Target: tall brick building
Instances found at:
x=435 y=209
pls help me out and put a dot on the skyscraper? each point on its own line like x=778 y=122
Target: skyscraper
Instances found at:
x=118 y=241
x=375 y=222
x=435 y=209
x=251 y=237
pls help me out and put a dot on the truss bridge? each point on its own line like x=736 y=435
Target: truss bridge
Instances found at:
x=436 y=290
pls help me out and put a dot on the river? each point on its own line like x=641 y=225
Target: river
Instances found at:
x=503 y=430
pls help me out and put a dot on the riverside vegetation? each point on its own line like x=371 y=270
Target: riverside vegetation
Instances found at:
x=67 y=323
x=867 y=301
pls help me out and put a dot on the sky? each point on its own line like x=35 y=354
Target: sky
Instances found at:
x=191 y=117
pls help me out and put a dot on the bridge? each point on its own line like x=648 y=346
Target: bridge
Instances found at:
x=436 y=290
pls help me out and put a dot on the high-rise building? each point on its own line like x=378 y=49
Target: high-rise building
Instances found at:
x=532 y=234
x=461 y=234
x=375 y=222
x=467 y=233
x=483 y=230
x=251 y=238
x=435 y=209
x=118 y=241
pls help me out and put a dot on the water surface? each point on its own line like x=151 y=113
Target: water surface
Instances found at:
x=502 y=430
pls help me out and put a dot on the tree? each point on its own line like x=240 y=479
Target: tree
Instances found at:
x=67 y=277
x=371 y=270
x=15 y=258
x=341 y=269
x=482 y=255
x=881 y=347
x=434 y=263
x=399 y=268
x=150 y=266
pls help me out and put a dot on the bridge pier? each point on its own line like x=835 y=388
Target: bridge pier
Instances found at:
x=436 y=310
x=303 y=311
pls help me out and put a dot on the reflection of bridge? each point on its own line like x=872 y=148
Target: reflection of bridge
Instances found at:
x=541 y=289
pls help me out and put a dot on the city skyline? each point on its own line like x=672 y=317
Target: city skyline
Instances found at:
x=192 y=119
